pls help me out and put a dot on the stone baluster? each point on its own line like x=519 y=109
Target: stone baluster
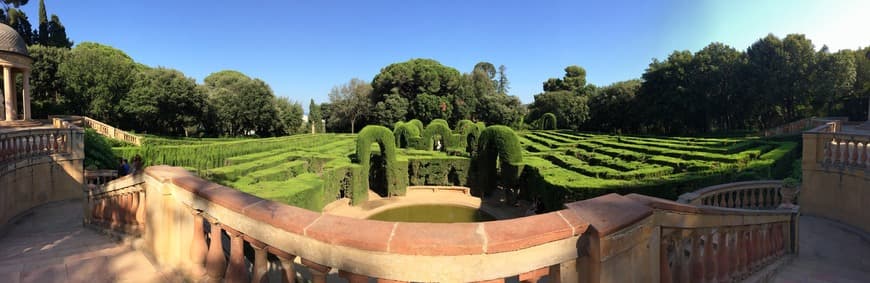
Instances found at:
x=128 y=209
x=666 y=255
x=140 y=211
x=237 y=271
x=842 y=149
x=697 y=263
x=286 y=263
x=353 y=277
x=534 y=275
x=215 y=263
x=711 y=246
x=685 y=255
x=745 y=248
x=724 y=253
x=851 y=146
x=261 y=260
x=198 y=248
x=318 y=271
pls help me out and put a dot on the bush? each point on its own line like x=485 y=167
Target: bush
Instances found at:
x=440 y=129
x=497 y=144
x=98 y=152
x=407 y=136
x=385 y=139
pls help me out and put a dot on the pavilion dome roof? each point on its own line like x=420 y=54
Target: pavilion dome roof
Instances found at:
x=11 y=41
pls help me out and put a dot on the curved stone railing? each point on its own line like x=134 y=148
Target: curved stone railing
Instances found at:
x=100 y=177
x=746 y=195
x=38 y=165
x=101 y=128
x=30 y=143
x=836 y=170
x=714 y=244
x=204 y=228
x=116 y=206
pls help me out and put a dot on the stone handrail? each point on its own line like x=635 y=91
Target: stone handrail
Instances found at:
x=714 y=244
x=117 y=206
x=746 y=195
x=799 y=126
x=25 y=144
x=100 y=177
x=204 y=228
x=101 y=128
x=458 y=189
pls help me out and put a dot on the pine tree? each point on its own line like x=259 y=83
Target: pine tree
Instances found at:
x=315 y=118
x=42 y=34
x=57 y=34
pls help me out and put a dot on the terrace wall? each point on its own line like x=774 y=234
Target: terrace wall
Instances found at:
x=836 y=174
x=39 y=165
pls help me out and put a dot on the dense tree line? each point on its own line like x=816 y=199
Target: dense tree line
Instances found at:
x=49 y=32
x=720 y=89
x=104 y=83
x=427 y=90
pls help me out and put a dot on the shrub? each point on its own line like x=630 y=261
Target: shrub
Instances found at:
x=407 y=136
x=548 y=121
x=385 y=139
x=440 y=129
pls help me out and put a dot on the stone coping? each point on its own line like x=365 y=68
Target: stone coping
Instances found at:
x=691 y=196
x=427 y=239
x=607 y=214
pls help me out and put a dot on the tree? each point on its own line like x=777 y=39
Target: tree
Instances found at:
x=244 y=106
x=412 y=78
x=350 y=102
x=315 y=117
x=394 y=108
x=17 y=19
x=57 y=34
x=777 y=73
x=574 y=81
x=714 y=87
x=833 y=80
x=96 y=77
x=164 y=101
x=42 y=35
x=289 y=115
x=608 y=107
x=502 y=83
x=46 y=84
x=571 y=110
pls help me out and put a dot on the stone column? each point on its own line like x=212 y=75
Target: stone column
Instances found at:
x=9 y=93
x=25 y=96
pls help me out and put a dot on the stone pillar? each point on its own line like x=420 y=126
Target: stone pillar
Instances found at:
x=25 y=95
x=9 y=93
x=215 y=263
x=237 y=272
x=318 y=271
x=198 y=249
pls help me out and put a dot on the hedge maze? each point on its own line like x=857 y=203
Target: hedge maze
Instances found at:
x=553 y=166
x=563 y=165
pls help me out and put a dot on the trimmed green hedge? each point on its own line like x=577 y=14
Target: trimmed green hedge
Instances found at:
x=548 y=121
x=440 y=129
x=407 y=135
x=498 y=148
x=386 y=141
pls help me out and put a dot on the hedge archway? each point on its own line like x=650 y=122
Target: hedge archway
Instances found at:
x=469 y=135
x=417 y=123
x=439 y=129
x=387 y=143
x=407 y=135
x=498 y=147
x=548 y=121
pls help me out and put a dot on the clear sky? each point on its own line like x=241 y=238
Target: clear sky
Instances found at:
x=304 y=48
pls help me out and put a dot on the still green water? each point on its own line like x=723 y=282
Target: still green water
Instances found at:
x=433 y=213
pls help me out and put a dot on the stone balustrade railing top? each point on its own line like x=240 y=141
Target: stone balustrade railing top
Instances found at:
x=591 y=240
x=100 y=127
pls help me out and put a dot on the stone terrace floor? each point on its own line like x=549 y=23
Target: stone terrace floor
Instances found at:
x=50 y=245
x=829 y=252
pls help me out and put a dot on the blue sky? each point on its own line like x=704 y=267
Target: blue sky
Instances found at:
x=304 y=48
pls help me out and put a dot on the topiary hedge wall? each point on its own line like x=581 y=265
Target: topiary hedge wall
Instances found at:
x=385 y=139
x=439 y=128
x=407 y=135
x=499 y=159
x=548 y=121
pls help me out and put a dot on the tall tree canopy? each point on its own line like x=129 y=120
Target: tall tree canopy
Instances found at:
x=96 y=77
x=47 y=86
x=164 y=101
x=567 y=98
x=434 y=83
x=243 y=105
x=290 y=115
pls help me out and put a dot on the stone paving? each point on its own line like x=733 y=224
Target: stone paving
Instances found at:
x=50 y=245
x=829 y=252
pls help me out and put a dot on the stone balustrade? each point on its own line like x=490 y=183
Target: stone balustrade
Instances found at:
x=746 y=195
x=100 y=127
x=204 y=229
x=100 y=177
x=836 y=167
x=116 y=206
x=24 y=144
